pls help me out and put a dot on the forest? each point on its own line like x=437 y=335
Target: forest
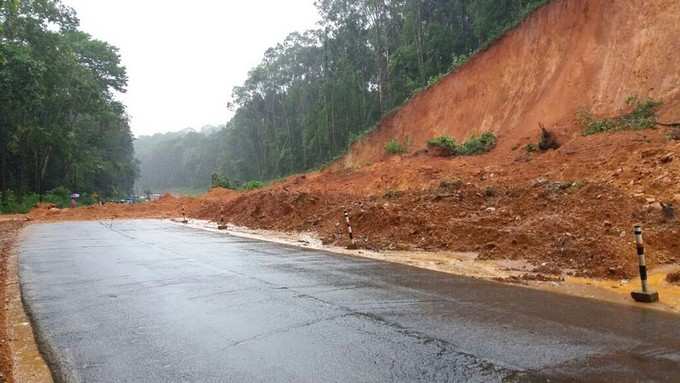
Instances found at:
x=317 y=91
x=62 y=129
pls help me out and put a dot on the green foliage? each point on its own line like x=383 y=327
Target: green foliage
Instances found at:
x=252 y=185
x=446 y=144
x=395 y=147
x=642 y=115
x=472 y=146
x=221 y=182
x=458 y=61
x=60 y=123
x=478 y=144
x=12 y=203
x=435 y=79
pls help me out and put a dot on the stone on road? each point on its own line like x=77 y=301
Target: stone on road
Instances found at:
x=153 y=301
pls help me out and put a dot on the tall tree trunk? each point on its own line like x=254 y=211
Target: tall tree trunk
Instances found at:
x=43 y=170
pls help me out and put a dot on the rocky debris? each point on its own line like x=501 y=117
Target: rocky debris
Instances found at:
x=673 y=278
x=666 y=159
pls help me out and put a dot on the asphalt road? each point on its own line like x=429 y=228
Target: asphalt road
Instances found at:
x=152 y=301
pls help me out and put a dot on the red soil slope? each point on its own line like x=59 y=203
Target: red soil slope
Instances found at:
x=568 y=55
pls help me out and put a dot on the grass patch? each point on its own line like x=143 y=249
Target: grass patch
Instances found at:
x=395 y=147
x=252 y=185
x=642 y=115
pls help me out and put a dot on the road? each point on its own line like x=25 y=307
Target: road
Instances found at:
x=153 y=301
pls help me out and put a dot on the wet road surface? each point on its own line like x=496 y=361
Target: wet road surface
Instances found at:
x=152 y=301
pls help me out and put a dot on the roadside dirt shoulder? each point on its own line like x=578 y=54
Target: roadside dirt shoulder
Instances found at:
x=20 y=360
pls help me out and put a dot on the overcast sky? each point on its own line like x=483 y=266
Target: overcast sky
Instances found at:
x=184 y=56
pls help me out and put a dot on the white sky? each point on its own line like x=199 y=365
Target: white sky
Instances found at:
x=184 y=56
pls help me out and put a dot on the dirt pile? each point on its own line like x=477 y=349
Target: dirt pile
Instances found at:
x=565 y=211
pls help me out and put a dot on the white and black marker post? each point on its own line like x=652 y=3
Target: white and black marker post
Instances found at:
x=221 y=226
x=184 y=216
x=646 y=295
x=349 y=228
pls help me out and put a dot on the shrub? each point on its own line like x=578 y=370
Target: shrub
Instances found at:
x=12 y=203
x=474 y=145
x=445 y=145
x=252 y=185
x=221 y=182
x=478 y=144
x=395 y=147
x=641 y=116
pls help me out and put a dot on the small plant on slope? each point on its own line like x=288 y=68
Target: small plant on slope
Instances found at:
x=395 y=147
x=445 y=145
x=642 y=116
x=478 y=144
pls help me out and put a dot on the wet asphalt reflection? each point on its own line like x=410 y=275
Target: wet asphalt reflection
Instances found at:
x=152 y=301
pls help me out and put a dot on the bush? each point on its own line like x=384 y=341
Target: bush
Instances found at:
x=642 y=116
x=221 y=182
x=12 y=203
x=474 y=145
x=478 y=144
x=252 y=185
x=445 y=145
x=395 y=147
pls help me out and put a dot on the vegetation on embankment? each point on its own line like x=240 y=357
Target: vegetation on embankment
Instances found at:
x=59 y=197
x=474 y=145
x=642 y=114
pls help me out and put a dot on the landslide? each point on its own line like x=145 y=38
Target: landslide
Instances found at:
x=569 y=210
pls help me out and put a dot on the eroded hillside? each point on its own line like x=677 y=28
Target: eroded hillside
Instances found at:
x=569 y=55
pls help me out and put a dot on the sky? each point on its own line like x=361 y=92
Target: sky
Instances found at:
x=183 y=57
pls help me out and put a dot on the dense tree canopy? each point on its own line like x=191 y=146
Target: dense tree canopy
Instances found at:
x=60 y=123
x=317 y=91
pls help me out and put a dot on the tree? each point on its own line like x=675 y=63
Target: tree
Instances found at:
x=60 y=123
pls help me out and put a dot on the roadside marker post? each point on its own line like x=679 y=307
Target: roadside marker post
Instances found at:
x=184 y=216
x=222 y=225
x=349 y=229
x=646 y=295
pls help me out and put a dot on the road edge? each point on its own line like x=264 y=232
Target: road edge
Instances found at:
x=58 y=373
